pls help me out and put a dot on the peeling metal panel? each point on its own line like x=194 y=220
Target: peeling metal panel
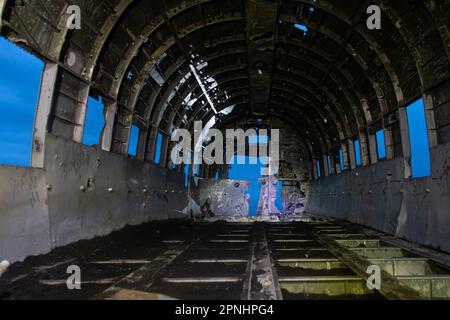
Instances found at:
x=227 y=198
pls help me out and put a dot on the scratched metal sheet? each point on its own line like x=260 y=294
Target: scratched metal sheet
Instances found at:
x=227 y=198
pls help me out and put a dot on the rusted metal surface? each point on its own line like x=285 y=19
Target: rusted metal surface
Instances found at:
x=268 y=196
x=227 y=198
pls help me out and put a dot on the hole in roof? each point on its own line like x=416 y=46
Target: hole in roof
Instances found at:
x=301 y=27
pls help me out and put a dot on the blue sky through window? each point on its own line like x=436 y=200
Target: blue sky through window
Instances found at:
x=186 y=175
x=341 y=158
x=159 y=141
x=329 y=164
x=319 y=173
x=301 y=27
x=279 y=200
x=134 y=137
x=420 y=153
x=357 y=152
x=381 y=146
x=20 y=77
x=94 y=122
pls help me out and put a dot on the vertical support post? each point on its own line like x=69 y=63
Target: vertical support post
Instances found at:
x=373 y=149
x=333 y=164
x=151 y=147
x=351 y=154
x=81 y=114
x=365 y=160
x=2 y=8
x=122 y=130
x=325 y=166
x=389 y=142
x=337 y=163
x=142 y=144
x=224 y=171
x=164 y=150
x=345 y=155
x=110 y=109
x=406 y=144
x=45 y=102
x=431 y=120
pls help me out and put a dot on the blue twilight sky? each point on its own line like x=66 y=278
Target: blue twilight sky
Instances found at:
x=20 y=75
x=420 y=155
x=94 y=122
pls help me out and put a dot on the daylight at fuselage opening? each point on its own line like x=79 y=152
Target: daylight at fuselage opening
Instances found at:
x=252 y=172
x=20 y=79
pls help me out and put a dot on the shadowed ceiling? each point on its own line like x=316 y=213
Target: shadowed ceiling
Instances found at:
x=311 y=64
